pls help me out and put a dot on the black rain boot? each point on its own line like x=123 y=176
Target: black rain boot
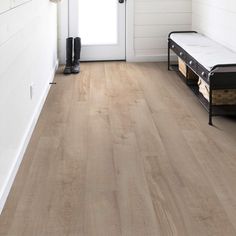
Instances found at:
x=77 y=50
x=69 y=47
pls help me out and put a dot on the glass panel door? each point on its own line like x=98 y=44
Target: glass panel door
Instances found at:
x=101 y=26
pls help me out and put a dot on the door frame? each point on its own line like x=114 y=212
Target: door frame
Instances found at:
x=63 y=29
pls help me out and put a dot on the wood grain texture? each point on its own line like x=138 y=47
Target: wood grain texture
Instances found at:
x=125 y=149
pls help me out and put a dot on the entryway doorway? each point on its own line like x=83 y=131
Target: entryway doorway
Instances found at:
x=101 y=26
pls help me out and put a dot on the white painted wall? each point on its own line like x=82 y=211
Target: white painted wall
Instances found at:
x=148 y=24
x=28 y=56
x=216 y=19
x=154 y=20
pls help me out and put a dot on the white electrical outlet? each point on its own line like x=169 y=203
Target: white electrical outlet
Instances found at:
x=31 y=91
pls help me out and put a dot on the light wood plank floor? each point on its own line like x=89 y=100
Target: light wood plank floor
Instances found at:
x=125 y=149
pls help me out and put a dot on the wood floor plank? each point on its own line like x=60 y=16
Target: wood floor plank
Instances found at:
x=136 y=209
x=124 y=149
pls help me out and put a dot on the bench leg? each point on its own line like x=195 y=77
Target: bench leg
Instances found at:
x=210 y=105
x=210 y=120
x=168 y=55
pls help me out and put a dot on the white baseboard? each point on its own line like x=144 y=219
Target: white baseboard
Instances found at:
x=159 y=58
x=25 y=141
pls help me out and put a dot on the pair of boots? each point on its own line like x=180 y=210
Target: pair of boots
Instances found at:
x=72 y=66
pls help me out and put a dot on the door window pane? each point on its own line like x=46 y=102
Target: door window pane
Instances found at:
x=98 y=21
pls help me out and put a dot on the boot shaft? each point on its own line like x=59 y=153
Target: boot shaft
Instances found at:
x=77 y=48
x=69 y=50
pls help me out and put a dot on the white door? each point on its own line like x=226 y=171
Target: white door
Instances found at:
x=101 y=26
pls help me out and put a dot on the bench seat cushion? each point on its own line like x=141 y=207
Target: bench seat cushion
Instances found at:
x=206 y=51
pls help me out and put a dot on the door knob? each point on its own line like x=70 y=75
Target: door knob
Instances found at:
x=121 y=1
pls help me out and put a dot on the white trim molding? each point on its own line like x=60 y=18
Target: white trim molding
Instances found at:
x=130 y=51
x=154 y=58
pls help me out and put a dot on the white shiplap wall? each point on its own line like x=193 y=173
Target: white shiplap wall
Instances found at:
x=6 y=5
x=153 y=20
x=28 y=57
x=216 y=19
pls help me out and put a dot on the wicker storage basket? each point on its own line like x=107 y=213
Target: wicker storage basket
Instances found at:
x=182 y=67
x=219 y=97
x=186 y=71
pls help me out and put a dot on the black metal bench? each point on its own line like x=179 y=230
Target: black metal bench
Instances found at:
x=219 y=77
